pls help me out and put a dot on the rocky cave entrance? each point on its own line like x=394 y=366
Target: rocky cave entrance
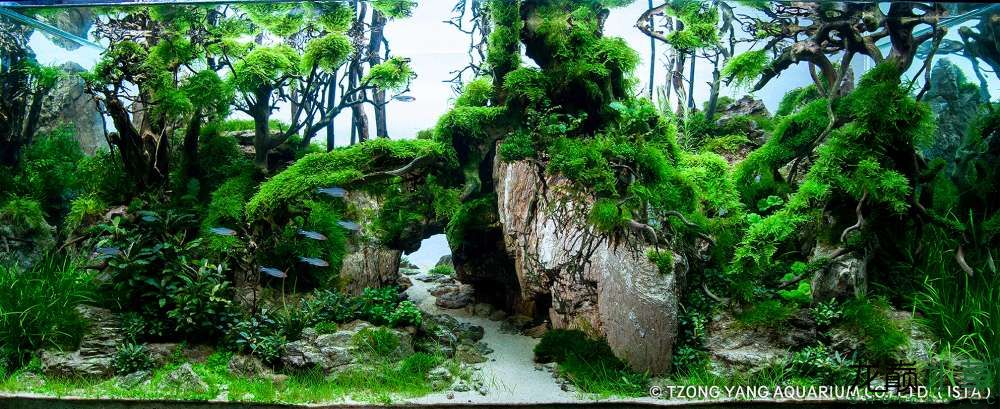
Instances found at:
x=432 y=251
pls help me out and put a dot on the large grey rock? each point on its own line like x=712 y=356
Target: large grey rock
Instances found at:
x=954 y=104
x=97 y=348
x=247 y=366
x=724 y=119
x=472 y=353
x=74 y=20
x=445 y=260
x=844 y=276
x=185 y=378
x=459 y=297
x=68 y=104
x=367 y=263
x=337 y=351
x=439 y=377
x=134 y=379
x=447 y=333
x=593 y=284
x=733 y=347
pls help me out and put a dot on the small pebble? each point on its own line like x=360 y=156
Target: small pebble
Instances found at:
x=483 y=390
x=451 y=395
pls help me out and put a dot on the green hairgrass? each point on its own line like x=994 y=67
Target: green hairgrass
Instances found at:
x=382 y=382
x=590 y=364
x=38 y=306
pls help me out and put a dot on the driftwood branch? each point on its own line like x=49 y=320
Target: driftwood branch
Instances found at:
x=399 y=172
x=861 y=219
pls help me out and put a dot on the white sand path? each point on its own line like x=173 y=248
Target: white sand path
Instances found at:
x=509 y=374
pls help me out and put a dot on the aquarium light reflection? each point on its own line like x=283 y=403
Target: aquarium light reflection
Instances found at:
x=48 y=28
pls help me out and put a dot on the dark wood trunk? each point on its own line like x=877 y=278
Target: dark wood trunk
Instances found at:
x=374 y=58
x=13 y=82
x=261 y=113
x=331 y=102
x=189 y=151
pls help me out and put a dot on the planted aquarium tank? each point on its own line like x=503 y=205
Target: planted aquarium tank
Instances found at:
x=504 y=202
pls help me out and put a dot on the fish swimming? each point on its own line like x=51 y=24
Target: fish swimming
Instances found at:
x=404 y=98
x=333 y=191
x=107 y=251
x=223 y=231
x=314 y=262
x=273 y=272
x=312 y=235
x=349 y=225
x=148 y=216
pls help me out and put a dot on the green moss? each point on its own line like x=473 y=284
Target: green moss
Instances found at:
x=526 y=86
x=517 y=147
x=767 y=314
x=443 y=269
x=264 y=66
x=699 y=25
x=24 y=218
x=590 y=364
x=333 y=16
x=393 y=74
x=467 y=124
x=744 y=69
x=321 y=216
x=282 y=19
x=477 y=93
x=726 y=144
x=504 y=54
x=795 y=99
x=226 y=209
x=328 y=52
x=395 y=8
x=472 y=215
x=869 y=319
x=339 y=167
x=606 y=215
x=664 y=260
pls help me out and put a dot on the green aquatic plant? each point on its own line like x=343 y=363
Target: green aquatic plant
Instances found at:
x=745 y=68
x=131 y=358
x=882 y=336
x=590 y=364
x=39 y=306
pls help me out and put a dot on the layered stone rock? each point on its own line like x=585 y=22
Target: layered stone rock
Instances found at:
x=955 y=105
x=735 y=347
x=580 y=278
x=337 y=351
x=368 y=263
x=68 y=104
x=97 y=348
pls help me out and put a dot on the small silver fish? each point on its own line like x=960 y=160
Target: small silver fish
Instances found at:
x=404 y=98
x=107 y=251
x=273 y=272
x=314 y=261
x=349 y=225
x=312 y=235
x=223 y=231
x=333 y=191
